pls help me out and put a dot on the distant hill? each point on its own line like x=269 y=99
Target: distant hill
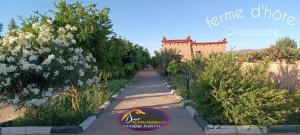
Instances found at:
x=249 y=50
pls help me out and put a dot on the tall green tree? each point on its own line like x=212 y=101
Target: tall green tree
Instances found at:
x=12 y=25
x=124 y=57
x=286 y=42
x=94 y=34
x=283 y=49
x=163 y=58
x=1 y=28
x=94 y=26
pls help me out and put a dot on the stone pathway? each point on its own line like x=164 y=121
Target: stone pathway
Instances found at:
x=7 y=113
x=147 y=90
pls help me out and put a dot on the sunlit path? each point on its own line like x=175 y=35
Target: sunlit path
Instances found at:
x=146 y=90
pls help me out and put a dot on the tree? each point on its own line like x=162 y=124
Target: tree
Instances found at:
x=1 y=27
x=285 y=48
x=286 y=42
x=12 y=25
x=174 y=67
x=124 y=58
x=163 y=58
x=94 y=27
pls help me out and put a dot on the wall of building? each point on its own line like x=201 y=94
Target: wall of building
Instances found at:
x=207 y=49
x=189 y=48
x=282 y=75
x=184 y=49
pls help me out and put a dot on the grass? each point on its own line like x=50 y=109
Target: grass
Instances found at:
x=66 y=110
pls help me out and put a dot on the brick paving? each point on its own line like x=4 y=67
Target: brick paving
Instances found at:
x=147 y=90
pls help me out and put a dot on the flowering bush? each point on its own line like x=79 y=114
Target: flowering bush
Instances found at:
x=36 y=65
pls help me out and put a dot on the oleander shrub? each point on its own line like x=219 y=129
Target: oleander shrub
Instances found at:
x=36 y=65
x=69 y=108
x=59 y=109
x=226 y=92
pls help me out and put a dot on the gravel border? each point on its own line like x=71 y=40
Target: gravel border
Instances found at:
x=43 y=130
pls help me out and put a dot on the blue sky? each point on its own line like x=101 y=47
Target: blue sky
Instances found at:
x=145 y=21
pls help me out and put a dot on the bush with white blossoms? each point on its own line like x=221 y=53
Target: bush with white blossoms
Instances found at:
x=36 y=65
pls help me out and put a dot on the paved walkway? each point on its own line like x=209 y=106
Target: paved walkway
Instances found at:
x=7 y=113
x=147 y=90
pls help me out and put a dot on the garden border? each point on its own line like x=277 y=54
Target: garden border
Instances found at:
x=230 y=129
x=25 y=130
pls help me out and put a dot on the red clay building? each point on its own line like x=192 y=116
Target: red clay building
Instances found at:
x=189 y=49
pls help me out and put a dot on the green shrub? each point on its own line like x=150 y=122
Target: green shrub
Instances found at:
x=116 y=85
x=294 y=117
x=162 y=59
x=178 y=82
x=227 y=93
x=174 y=67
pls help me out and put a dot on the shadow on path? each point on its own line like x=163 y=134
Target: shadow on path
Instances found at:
x=147 y=90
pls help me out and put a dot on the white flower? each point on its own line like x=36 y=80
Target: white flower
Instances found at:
x=49 y=21
x=89 y=82
x=12 y=40
x=45 y=50
x=67 y=81
x=87 y=66
x=35 y=25
x=73 y=41
x=68 y=27
x=73 y=59
x=27 y=53
x=10 y=59
x=61 y=30
x=74 y=28
x=2 y=57
x=66 y=88
x=71 y=49
x=48 y=93
x=81 y=73
x=79 y=83
x=56 y=73
x=29 y=36
x=68 y=68
x=96 y=79
x=78 y=50
x=45 y=75
x=38 y=68
x=16 y=75
x=36 y=102
x=69 y=36
x=61 y=60
x=7 y=82
x=25 y=65
x=48 y=60
x=35 y=90
x=33 y=57
x=16 y=100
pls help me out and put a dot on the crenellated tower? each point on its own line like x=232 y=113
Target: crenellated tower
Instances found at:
x=190 y=49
